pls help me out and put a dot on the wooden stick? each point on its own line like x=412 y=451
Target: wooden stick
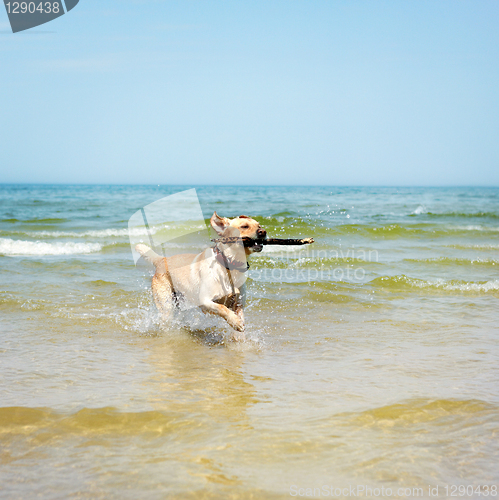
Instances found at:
x=278 y=241
x=248 y=242
x=287 y=241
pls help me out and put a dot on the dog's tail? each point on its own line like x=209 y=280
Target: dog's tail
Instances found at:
x=149 y=255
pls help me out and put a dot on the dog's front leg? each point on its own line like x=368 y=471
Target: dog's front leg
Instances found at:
x=231 y=317
x=239 y=336
x=240 y=303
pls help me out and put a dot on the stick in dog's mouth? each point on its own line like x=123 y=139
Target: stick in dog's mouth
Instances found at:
x=256 y=244
x=250 y=242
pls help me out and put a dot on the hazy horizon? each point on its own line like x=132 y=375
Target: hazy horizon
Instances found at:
x=449 y=186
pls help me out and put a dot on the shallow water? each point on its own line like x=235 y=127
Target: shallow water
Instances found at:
x=371 y=357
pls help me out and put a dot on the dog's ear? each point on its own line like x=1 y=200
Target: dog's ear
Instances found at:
x=244 y=217
x=219 y=223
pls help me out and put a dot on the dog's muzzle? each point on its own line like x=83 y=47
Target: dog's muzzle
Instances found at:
x=257 y=243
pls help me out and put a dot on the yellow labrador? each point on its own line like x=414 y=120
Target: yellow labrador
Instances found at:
x=214 y=279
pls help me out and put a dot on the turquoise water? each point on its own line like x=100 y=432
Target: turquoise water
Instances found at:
x=371 y=356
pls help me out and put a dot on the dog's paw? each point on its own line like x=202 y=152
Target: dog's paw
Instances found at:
x=239 y=326
x=236 y=323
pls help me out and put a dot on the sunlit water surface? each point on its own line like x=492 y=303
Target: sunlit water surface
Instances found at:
x=371 y=357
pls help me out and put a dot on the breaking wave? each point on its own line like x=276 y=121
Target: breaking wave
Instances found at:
x=483 y=247
x=403 y=282
x=20 y=247
x=456 y=261
x=99 y=233
x=489 y=215
x=420 y=210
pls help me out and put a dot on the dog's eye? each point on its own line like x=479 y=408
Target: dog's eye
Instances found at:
x=245 y=226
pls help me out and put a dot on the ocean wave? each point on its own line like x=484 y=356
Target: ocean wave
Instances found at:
x=298 y=250
x=7 y=300
x=420 y=210
x=285 y=221
x=295 y=225
x=396 y=230
x=403 y=282
x=20 y=247
x=93 y=421
x=487 y=215
x=327 y=262
x=52 y=220
x=476 y=228
x=292 y=228
x=456 y=261
x=393 y=231
x=10 y=301
x=423 y=411
x=475 y=247
x=98 y=233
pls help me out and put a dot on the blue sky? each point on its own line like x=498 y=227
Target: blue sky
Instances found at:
x=254 y=92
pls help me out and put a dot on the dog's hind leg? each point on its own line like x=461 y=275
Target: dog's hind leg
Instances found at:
x=163 y=294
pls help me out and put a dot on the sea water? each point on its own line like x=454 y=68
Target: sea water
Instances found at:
x=371 y=357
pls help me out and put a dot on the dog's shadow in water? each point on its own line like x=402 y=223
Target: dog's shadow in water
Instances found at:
x=210 y=337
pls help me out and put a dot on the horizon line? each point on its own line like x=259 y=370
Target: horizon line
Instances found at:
x=249 y=185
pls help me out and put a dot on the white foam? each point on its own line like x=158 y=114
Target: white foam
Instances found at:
x=476 y=287
x=100 y=233
x=462 y=287
x=420 y=210
x=20 y=247
x=476 y=228
x=300 y=250
x=477 y=247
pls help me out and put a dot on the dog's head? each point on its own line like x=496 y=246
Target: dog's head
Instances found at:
x=247 y=228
